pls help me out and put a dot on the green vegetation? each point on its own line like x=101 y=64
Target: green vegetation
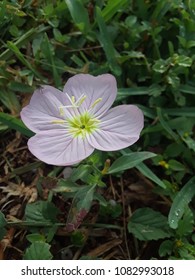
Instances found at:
x=135 y=203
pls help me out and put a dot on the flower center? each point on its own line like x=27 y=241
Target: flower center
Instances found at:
x=81 y=125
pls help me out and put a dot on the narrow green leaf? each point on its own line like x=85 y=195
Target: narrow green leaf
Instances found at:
x=112 y=7
x=150 y=175
x=79 y=14
x=21 y=57
x=15 y=123
x=165 y=125
x=106 y=43
x=20 y=87
x=38 y=251
x=3 y=221
x=187 y=89
x=47 y=50
x=10 y=100
x=128 y=161
x=185 y=111
x=147 y=224
x=180 y=202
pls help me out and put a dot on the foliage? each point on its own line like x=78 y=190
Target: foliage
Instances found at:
x=149 y=47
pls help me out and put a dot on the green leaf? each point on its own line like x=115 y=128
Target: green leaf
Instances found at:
x=149 y=174
x=112 y=7
x=20 y=87
x=78 y=238
x=180 y=202
x=66 y=186
x=38 y=251
x=10 y=100
x=160 y=66
x=3 y=221
x=166 y=248
x=34 y=237
x=84 y=197
x=128 y=161
x=187 y=89
x=185 y=111
x=41 y=211
x=48 y=52
x=184 y=61
x=79 y=14
x=147 y=224
x=21 y=57
x=106 y=43
x=15 y=123
x=186 y=224
x=165 y=124
x=176 y=165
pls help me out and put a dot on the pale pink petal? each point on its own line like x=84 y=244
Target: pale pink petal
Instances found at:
x=120 y=127
x=43 y=109
x=57 y=148
x=102 y=86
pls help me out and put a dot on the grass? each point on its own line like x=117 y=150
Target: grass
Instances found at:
x=110 y=206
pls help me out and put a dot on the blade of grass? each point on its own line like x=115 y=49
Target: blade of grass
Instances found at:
x=79 y=14
x=147 y=172
x=49 y=55
x=23 y=39
x=112 y=7
x=10 y=100
x=21 y=57
x=14 y=123
x=165 y=125
x=106 y=43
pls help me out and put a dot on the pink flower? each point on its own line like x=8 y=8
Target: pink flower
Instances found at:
x=69 y=125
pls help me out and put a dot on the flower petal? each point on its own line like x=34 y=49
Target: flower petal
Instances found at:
x=57 y=148
x=101 y=89
x=120 y=127
x=43 y=109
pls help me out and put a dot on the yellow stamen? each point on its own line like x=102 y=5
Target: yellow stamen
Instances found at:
x=96 y=102
x=73 y=99
x=82 y=100
x=61 y=111
x=58 y=121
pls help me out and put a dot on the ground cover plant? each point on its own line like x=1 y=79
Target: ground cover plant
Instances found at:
x=134 y=202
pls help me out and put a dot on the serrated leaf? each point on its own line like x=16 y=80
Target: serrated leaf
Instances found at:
x=38 y=251
x=186 y=224
x=147 y=224
x=129 y=161
x=166 y=248
x=41 y=211
x=180 y=202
